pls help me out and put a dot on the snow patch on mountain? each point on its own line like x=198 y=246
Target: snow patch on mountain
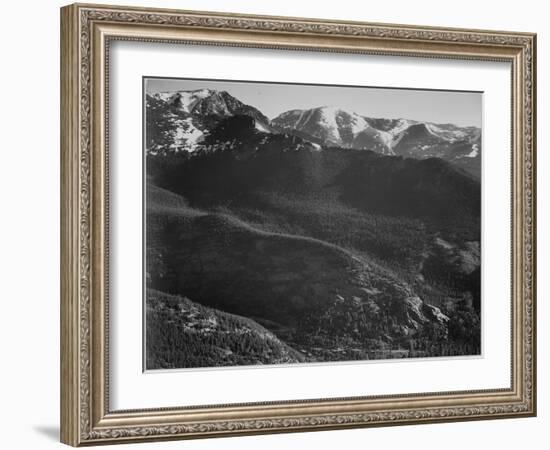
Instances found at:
x=182 y=136
x=304 y=117
x=448 y=132
x=386 y=137
x=433 y=130
x=357 y=123
x=164 y=96
x=402 y=125
x=191 y=135
x=184 y=100
x=474 y=153
x=328 y=119
x=316 y=147
x=260 y=127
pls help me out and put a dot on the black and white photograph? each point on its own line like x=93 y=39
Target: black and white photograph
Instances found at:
x=299 y=223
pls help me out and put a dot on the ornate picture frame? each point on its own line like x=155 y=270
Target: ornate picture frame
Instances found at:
x=86 y=34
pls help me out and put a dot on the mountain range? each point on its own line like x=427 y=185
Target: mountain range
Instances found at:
x=182 y=120
x=285 y=241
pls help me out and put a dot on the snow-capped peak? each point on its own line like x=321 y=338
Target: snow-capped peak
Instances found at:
x=185 y=100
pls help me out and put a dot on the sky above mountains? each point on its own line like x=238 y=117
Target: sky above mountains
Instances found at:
x=458 y=107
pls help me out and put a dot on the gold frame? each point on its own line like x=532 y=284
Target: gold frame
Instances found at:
x=86 y=31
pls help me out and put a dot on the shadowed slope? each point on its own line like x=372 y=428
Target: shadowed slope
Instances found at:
x=181 y=333
x=312 y=294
